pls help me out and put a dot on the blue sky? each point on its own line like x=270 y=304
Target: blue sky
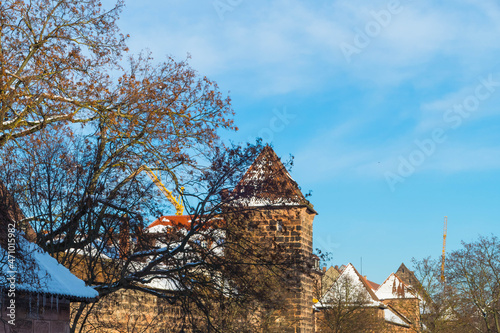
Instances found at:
x=391 y=109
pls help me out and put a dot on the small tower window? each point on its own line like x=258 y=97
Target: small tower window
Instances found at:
x=279 y=226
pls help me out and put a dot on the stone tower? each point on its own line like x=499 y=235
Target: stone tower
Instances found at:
x=408 y=277
x=280 y=212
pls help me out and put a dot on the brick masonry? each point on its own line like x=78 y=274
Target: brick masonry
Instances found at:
x=292 y=228
x=133 y=311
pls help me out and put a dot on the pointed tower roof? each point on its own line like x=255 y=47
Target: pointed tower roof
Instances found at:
x=268 y=183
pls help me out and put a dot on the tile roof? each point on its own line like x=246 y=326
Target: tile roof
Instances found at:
x=165 y=223
x=374 y=286
x=182 y=221
x=268 y=183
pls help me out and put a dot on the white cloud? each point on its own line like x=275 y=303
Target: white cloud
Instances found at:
x=295 y=40
x=272 y=48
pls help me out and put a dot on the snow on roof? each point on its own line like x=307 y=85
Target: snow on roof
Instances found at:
x=266 y=202
x=392 y=317
x=268 y=183
x=46 y=275
x=158 y=281
x=180 y=222
x=165 y=284
x=351 y=287
x=98 y=250
x=393 y=287
x=158 y=229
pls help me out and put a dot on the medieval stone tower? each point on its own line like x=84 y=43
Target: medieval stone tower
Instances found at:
x=271 y=209
x=281 y=212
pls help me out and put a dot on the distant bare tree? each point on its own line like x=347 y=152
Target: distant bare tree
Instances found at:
x=473 y=274
x=437 y=306
x=469 y=299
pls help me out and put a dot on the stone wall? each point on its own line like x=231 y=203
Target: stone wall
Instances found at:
x=291 y=227
x=132 y=311
x=346 y=320
x=408 y=307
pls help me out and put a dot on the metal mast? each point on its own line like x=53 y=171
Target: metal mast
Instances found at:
x=444 y=248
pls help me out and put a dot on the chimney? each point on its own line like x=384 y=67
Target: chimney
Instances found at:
x=124 y=236
x=324 y=269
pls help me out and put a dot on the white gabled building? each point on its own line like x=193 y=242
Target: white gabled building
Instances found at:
x=352 y=292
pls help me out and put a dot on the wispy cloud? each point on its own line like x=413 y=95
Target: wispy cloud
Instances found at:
x=261 y=49
x=296 y=40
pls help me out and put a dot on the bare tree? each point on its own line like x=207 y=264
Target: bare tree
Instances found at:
x=55 y=57
x=468 y=301
x=92 y=219
x=437 y=304
x=474 y=275
x=61 y=63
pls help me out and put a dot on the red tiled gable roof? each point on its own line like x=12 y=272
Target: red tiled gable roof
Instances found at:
x=268 y=182
x=372 y=284
x=183 y=221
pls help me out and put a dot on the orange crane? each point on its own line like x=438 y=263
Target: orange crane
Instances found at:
x=175 y=201
x=444 y=248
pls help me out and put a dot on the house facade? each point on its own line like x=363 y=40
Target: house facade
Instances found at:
x=352 y=303
x=35 y=290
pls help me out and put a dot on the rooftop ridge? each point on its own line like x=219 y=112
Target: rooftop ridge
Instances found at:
x=268 y=183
